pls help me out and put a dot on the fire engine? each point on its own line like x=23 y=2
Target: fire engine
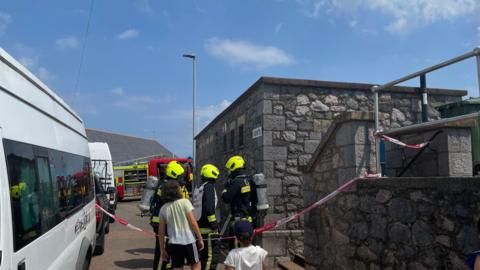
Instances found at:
x=130 y=180
x=157 y=166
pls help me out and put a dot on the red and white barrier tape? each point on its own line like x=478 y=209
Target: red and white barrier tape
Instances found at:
x=122 y=221
x=268 y=227
x=395 y=141
x=325 y=199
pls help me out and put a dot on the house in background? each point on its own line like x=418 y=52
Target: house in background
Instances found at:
x=126 y=149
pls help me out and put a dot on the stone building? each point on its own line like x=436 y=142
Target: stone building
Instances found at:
x=126 y=149
x=277 y=123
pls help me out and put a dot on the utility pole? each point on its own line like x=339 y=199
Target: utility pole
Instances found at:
x=193 y=57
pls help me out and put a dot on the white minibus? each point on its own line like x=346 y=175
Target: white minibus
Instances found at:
x=102 y=166
x=47 y=206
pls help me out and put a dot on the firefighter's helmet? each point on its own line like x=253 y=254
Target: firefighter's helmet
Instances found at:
x=174 y=169
x=209 y=171
x=235 y=163
x=16 y=190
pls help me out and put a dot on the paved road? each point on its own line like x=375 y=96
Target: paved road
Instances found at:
x=124 y=248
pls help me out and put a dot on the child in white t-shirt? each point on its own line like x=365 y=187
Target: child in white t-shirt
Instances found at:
x=247 y=256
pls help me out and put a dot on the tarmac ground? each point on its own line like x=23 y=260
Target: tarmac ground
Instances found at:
x=125 y=248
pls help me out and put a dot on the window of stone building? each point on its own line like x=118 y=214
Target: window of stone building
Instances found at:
x=240 y=135
x=232 y=139
x=225 y=142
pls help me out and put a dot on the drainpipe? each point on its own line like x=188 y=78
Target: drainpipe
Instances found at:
x=377 y=129
x=477 y=52
x=424 y=97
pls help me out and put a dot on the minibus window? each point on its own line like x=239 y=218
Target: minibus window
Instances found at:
x=48 y=193
x=24 y=193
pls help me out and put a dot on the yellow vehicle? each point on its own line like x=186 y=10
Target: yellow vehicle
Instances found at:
x=130 y=180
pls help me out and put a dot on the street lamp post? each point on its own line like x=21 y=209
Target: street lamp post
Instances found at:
x=193 y=57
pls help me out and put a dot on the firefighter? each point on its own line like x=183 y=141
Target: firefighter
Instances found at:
x=183 y=188
x=173 y=172
x=238 y=192
x=205 y=203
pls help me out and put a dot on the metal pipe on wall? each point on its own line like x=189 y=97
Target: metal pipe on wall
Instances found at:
x=430 y=69
x=377 y=129
x=424 y=97
x=478 y=70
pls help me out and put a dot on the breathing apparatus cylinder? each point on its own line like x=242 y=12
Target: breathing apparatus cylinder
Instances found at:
x=148 y=192
x=261 y=187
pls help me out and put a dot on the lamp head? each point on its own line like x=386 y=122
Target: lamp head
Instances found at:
x=192 y=56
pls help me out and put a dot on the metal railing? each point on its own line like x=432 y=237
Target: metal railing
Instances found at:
x=422 y=74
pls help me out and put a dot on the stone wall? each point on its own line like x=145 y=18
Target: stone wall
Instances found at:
x=293 y=116
x=247 y=112
x=394 y=223
x=449 y=153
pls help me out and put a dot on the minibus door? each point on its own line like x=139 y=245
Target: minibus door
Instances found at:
x=5 y=221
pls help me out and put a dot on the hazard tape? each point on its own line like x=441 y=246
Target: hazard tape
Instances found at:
x=268 y=227
x=395 y=141
x=275 y=224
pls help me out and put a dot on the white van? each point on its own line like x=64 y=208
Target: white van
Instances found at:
x=47 y=206
x=102 y=166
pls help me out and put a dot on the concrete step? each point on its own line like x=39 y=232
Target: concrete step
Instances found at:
x=287 y=265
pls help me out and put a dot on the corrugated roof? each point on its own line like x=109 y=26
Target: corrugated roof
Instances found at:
x=126 y=148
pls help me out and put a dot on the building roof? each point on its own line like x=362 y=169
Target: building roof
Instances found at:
x=327 y=85
x=470 y=101
x=126 y=148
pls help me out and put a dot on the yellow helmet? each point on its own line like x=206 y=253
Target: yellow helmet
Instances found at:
x=234 y=163
x=16 y=190
x=174 y=169
x=209 y=171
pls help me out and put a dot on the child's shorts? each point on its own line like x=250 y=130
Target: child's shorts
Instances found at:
x=181 y=253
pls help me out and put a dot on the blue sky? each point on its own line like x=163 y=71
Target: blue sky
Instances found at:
x=135 y=81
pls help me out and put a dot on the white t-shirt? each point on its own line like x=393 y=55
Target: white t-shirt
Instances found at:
x=178 y=228
x=246 y=258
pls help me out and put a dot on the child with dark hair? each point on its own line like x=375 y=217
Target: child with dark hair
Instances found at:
x=473 y=259
x=247 y=256
x=177 y=215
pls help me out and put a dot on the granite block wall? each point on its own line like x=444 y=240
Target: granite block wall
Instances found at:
x=449 y=153
x=396 y=223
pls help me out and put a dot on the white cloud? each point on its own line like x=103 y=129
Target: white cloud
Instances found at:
x=84 y=103
x=28 y=62
x=209 y=112
x=32 y=64
x=206 y=114
x=278 y=28
x=129 y=33
x=81 y=11
x=118 y=91
x=144 y=6
x=5 y=20
x=137 y=102
x=404 y=15
x=246 y=53
x=67 y=42
x=45 y=75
